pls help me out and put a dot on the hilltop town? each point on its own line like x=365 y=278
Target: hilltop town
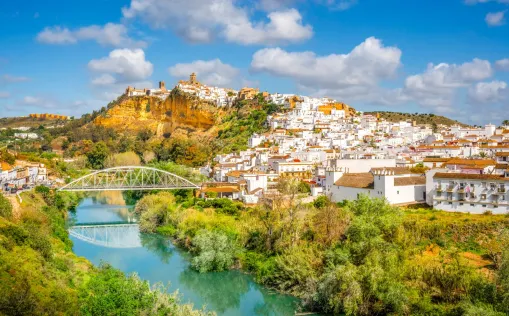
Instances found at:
x=330 y=147
x=341 y=152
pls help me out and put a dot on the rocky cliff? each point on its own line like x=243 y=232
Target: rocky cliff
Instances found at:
x=180 y=113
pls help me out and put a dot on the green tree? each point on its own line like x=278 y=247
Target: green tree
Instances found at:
x=97 y=156
x=215 y=251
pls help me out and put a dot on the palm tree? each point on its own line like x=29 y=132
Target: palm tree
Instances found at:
x=505 y=122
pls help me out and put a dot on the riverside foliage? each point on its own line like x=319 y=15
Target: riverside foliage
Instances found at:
x=362 y=257
x=39 y=274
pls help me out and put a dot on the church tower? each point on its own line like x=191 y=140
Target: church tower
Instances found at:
x=192 y=79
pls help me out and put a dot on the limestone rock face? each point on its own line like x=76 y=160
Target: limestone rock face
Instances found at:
x=180 y=111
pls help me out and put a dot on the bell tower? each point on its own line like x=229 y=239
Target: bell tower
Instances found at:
x=192 y=78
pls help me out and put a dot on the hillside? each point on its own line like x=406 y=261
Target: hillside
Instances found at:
x=419 y=118
x=25 y=121
x=180 y=113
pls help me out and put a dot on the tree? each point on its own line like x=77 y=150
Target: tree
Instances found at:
x=7 y=157
x=330 y=222
x=123 y=159
x=97 y=156
x=216 y=251
x=505 y=122
x=144 y=135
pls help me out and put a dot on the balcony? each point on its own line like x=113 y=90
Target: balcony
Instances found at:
x=439 y=189
x=450 y=188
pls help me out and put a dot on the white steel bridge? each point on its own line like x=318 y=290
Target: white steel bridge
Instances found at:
x=129 y=178
x=109 y=235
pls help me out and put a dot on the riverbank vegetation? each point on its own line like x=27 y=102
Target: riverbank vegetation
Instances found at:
x=357 y=258
x=40 y=275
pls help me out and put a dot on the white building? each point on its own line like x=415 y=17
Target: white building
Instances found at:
x=473 y=193
x=397 y=185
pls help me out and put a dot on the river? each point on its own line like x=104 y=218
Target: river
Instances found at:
x=156 y=259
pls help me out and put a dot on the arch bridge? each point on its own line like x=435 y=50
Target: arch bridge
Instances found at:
x=129 y=178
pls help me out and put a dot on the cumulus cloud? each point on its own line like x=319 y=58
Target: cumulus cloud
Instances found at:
x=211 y=72
x=495 y=18
x=121 y=65
x=359 y=70
x=502 y=64
x=489 y=92
x=203 y=20
x=110 y=34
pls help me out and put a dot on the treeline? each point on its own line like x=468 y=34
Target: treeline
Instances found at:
x=358 y=258
x=39 y=274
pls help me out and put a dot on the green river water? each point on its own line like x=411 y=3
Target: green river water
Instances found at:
x=156 y=259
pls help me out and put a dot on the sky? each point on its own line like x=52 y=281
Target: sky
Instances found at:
x=448 y=57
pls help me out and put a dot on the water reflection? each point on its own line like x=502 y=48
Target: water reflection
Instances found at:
x=160 y=246
x=223 y=290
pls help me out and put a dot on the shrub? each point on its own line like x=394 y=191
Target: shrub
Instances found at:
x=5 y=207
x=215 y=251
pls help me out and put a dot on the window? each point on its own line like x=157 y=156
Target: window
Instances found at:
x=398 y=192
x=472 y=204
x=461 y=204
x=450 y=203
x=484 y=205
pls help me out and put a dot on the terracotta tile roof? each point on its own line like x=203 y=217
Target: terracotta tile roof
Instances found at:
x=220 y=189
x=415 y=180
x=475 y=162
x=502 y=154
x=436 y=159
x=356 y=180
x=503 y=166
x=235 y=173
x=5 y=166
x=442 y=175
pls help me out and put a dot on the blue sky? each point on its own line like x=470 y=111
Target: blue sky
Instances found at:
x=446 y=57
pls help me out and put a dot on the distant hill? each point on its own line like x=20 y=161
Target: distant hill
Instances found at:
x=25 y=121
x=419 y=118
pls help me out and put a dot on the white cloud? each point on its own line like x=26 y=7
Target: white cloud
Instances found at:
x=502 y=64
x=211 y=72
x=31 y=100
x=495 y=18
x=125 y=65
x=110 y=34
x=340 y=4
x=56 y=35
x=203 y=20
x=472 y=2
x=436 y=87
x=489 y=92
x=103 y=80
x=13 y=79
x=361 y=69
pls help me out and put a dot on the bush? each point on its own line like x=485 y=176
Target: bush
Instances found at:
x=110 y=292
x=5 y=207
x=215 y=251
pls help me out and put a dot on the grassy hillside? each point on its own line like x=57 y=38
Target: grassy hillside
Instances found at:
x=16 y=122
x=419 y=118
